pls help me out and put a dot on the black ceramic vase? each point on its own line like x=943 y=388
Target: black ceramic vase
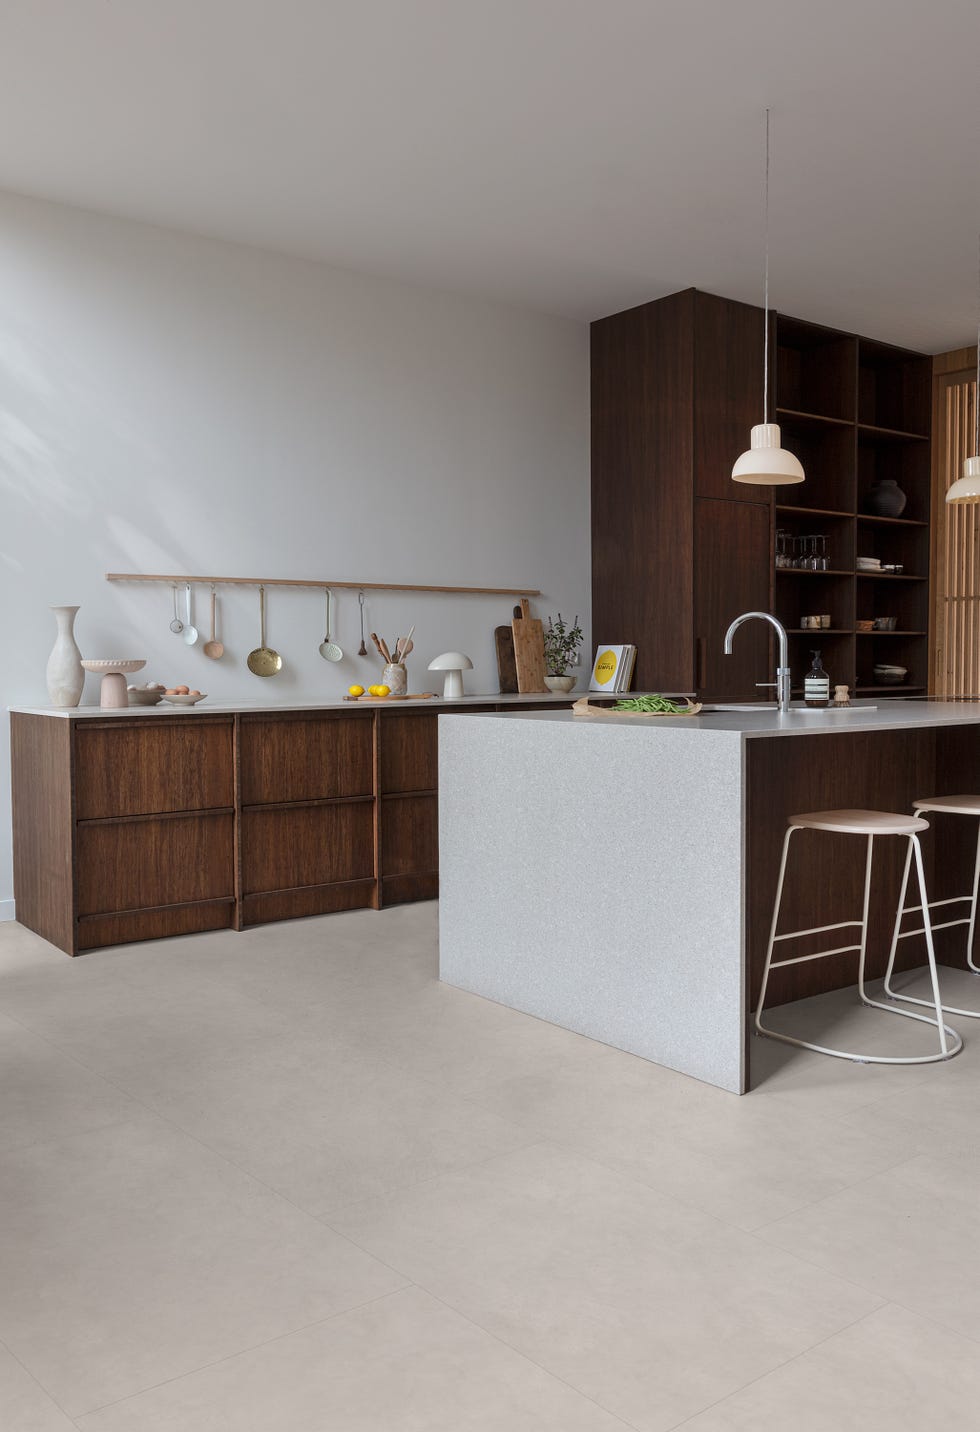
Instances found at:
x=886 y=499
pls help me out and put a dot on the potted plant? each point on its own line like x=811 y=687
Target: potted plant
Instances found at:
x=561 y=648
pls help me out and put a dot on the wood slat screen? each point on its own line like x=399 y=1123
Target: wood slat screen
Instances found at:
x=955 y=533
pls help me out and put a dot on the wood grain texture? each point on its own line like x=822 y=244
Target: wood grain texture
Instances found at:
x=409 y=752
x=409 y=835
x=528 y=638
x=306 y=845
x=288 y=758
x=882 y=770
x=402 y=889
x=642 y=488
x=731 y=556
x=261 y=909
x=41 y=790
x=101 y=930
x=503 y=640
x=146 y=766
x=727 y=398
x=150 y=862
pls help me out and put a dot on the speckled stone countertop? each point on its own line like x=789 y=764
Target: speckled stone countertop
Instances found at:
x=232 y=708
x=888 y=715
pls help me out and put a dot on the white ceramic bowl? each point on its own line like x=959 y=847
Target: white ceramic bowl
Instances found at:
x=139 y=696
x=183 y=700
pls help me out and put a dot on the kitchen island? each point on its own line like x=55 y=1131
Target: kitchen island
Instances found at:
x=615 y=875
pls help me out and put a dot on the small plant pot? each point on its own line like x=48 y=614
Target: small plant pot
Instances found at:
x=560 y=684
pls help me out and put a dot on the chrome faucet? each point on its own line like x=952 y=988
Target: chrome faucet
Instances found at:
x=783 y=682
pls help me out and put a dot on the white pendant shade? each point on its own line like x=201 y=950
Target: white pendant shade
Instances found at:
x=767 y=463
x=967 y=487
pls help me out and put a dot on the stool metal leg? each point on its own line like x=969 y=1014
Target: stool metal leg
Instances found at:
x=925 y=909
x=935 y=1004
x=973 y=911
x=947 y=1048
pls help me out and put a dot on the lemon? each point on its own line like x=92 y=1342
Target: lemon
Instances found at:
x=355 y=691
x=382 y=690
x=372 y=691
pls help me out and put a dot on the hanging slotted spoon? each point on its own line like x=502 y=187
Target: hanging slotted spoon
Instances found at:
x=190 y=630
x=329 y=650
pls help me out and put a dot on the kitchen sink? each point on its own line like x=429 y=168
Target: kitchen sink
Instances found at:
x=796 y=709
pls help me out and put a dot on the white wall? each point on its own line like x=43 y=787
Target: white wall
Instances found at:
x=174 y=404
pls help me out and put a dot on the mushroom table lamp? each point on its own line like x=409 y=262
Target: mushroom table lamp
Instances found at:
x=453 y=663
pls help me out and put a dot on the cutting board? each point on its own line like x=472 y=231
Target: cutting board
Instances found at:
x=528 y=650
x=503 y=640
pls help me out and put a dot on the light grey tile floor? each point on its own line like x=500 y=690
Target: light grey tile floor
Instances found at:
x=285 y=1180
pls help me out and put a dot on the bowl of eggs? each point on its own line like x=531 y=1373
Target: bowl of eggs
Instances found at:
x=183 y=696
x=149 y=695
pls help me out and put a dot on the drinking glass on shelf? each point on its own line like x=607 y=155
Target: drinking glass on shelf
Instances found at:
x=782 y=542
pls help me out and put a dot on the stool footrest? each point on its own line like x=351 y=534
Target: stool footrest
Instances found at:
x=817 y=930
x=818 y=955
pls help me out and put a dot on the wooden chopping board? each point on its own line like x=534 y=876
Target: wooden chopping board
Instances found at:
x=528 y=650
x=503 y=640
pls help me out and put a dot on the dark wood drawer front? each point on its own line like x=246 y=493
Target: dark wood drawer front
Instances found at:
x=155 y=924
x=297 y=760
x=308 y=845
x=409 y=754
x=137 y=864
x=409 y=835
x=175 y=764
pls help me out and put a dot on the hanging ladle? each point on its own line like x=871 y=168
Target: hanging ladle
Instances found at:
x=176 y=626
x=263 y=661
x=190 y=630
x=329 y=650
x=214 y=648
x=362 y=649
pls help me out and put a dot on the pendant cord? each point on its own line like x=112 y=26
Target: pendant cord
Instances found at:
x=976 y=395
x=765 y=291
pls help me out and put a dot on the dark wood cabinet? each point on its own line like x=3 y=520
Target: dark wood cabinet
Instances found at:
x=678 y=549
x=140 y=828
x=731 y=543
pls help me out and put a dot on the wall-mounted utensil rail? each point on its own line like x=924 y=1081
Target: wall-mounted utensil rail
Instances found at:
x=319 y=586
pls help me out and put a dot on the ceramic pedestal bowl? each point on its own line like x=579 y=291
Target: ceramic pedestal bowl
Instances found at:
x=113 y=694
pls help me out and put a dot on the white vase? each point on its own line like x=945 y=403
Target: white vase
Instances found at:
x=65 y=675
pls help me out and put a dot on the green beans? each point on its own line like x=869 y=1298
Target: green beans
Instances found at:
x=652 y=706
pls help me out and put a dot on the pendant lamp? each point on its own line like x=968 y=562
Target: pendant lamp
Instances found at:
x=767 y=463
x=967 y=488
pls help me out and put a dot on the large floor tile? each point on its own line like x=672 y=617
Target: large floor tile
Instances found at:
x=911 y=1235
x=320 y=1121
x=116 y=1026
x=132 y=1254
x=462 y=1041
x=24 y=1405
x=742 y=1160
x=404 y=1364
x=645 y=1305
x=45 y=1094
x=21 y=951
x=891 y=1372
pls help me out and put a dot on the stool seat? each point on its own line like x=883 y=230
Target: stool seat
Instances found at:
x=952 y=805
x=860 y=822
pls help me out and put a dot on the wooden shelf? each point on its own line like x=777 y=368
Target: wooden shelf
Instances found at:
x=807 y=572
x=884 y=689
x=891 y=633
x=322 y=585
x=821 y=631
x=891 y=576
x=793 y=415
x=889 y=435
x=812 y=511
x=891 y=521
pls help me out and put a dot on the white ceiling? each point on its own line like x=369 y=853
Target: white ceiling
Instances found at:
x=577 y=156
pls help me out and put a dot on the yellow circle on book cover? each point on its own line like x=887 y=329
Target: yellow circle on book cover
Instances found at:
x=605 y=667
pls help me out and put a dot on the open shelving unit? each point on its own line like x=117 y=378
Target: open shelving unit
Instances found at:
x=854 y=411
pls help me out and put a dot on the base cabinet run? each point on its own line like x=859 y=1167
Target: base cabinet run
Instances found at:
x=142 y=828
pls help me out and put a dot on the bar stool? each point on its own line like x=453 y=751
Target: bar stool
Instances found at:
x=947 y=805
x=867 y=823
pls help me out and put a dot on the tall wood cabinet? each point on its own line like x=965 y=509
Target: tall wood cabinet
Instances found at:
x=679 y=549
